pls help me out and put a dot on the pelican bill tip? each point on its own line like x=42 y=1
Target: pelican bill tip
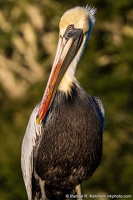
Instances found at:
x=38 y=121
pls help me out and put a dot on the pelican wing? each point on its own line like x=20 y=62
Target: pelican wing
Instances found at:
x=32 y=131
x=100 y=109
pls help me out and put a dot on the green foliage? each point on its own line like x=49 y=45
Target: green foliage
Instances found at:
x=105 y=70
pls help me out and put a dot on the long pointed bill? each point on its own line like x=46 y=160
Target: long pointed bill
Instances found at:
x=66 y=50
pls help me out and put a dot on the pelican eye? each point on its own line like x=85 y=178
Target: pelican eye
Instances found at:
x=70 y=27
x=69 y=30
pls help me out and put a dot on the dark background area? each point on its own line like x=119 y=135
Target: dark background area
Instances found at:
x=28 y=39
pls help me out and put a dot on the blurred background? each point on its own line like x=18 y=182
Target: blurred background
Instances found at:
x=28 y=39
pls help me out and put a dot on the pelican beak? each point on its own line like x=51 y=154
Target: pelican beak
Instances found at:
x=68 y=46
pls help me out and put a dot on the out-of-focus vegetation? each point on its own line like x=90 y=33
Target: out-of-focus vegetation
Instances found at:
x=28 y=39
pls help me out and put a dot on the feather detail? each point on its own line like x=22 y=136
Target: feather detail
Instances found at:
x=32 y=131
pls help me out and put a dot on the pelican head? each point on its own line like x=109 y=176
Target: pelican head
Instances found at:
x=75 y=27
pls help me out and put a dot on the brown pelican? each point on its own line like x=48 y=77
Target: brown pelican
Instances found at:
x=62 y=145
